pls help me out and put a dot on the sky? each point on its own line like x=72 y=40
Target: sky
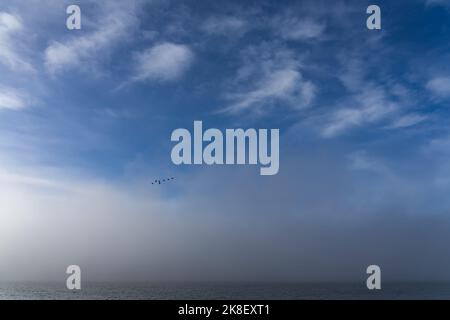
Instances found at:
x=86 y=117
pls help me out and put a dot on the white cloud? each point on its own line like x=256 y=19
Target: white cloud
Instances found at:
x=12 y=99
x=58 y=56
x=163 y=62
x=284 y=85
x=86 y=49
x=341 y=120
x=408 y=120
x=269 y=75
x=372 y=103
x=369 y=100
x=439 y=87
x=10 y=27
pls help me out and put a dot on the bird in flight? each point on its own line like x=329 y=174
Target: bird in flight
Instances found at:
x=158 y=181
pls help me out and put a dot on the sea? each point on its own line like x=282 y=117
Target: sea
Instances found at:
x=223 y=291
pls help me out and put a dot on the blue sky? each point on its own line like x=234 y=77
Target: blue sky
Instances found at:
x=99 y=97
x=363 y=117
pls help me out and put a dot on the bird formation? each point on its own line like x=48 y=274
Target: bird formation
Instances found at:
x=158 y=181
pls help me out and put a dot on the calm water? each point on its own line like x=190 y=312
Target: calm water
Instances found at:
x=223 y=291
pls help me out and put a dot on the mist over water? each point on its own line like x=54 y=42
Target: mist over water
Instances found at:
x=275 y=230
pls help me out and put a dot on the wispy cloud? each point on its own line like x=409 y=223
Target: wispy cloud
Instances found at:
x=283 y=85
x=294 y=28
x=371 y=96
x=370 y=105
x=439 y=87
x=10 y=27
x=12 y=99
x=270 y=75
x=163 y=62
x=225 y=25
x=86 y=50
x=408 y=120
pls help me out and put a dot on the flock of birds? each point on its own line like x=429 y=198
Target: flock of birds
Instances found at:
x=158 y=181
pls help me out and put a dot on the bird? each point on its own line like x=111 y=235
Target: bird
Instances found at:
x=158 y=181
